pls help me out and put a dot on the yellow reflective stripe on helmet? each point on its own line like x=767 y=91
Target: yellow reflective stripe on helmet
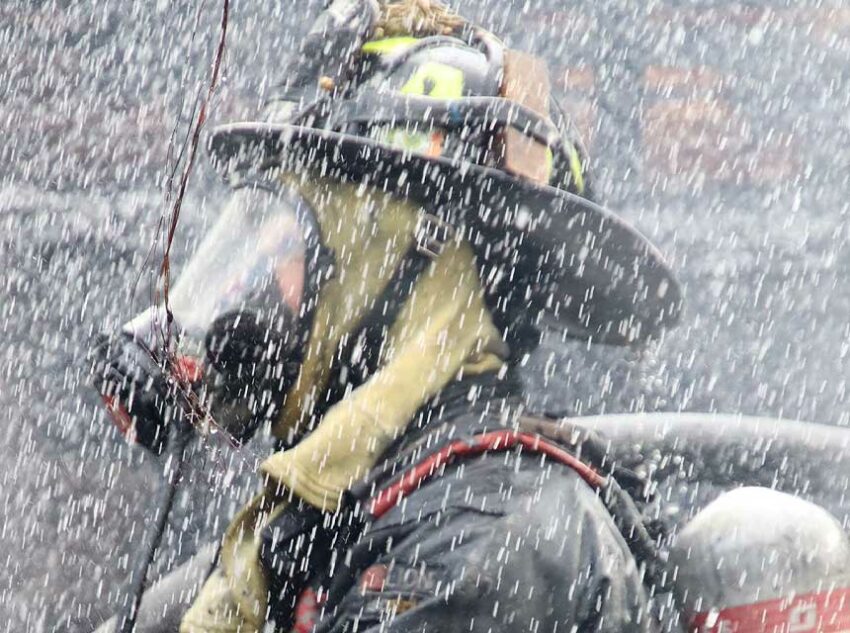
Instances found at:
x=387 y=45
x=576 y=168
x=433 y=79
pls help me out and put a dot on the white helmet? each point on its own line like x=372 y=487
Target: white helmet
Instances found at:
x=760 y=560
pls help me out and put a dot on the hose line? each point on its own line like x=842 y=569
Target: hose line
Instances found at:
x=179 y=437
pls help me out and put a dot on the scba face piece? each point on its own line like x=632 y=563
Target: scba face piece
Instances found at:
x=236 y=321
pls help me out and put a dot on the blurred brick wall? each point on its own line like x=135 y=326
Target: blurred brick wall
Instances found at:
x=692 y=126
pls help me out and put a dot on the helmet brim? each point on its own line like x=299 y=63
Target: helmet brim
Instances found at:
x=604 y=279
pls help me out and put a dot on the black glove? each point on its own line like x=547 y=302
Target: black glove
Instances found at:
x=256 y=360
x=134 y=387
x=293 y=547
x=297 y=548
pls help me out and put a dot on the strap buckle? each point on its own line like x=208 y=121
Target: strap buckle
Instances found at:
x=432 y=234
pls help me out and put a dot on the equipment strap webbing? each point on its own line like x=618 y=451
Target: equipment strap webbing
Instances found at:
x=376 y=324
x=361 y=353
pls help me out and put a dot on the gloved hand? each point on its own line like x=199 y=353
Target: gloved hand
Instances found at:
x=293 y=547
x=133 y=386
x=256 y=360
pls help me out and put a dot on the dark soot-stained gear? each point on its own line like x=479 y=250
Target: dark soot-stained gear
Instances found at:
x=435 y=120
x=256 y=343
x=444 y=545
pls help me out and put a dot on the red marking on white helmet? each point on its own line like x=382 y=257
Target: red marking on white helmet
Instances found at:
x=825 y=612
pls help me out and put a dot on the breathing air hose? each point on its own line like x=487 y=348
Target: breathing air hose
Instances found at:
x=179 y=436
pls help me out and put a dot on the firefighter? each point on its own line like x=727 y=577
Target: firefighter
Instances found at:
x=374 y=336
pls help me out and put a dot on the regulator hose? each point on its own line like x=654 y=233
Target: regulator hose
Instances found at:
x=178 y=438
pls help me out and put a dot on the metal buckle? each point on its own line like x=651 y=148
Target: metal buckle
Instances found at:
x=432 y=234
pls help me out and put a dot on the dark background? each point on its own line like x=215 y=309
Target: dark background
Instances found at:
x=719 y=128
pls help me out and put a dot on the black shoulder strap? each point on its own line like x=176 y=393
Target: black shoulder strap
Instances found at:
x=372 y=333
x=358 y=355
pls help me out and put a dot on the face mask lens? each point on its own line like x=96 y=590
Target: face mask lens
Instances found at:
x=253 y=259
